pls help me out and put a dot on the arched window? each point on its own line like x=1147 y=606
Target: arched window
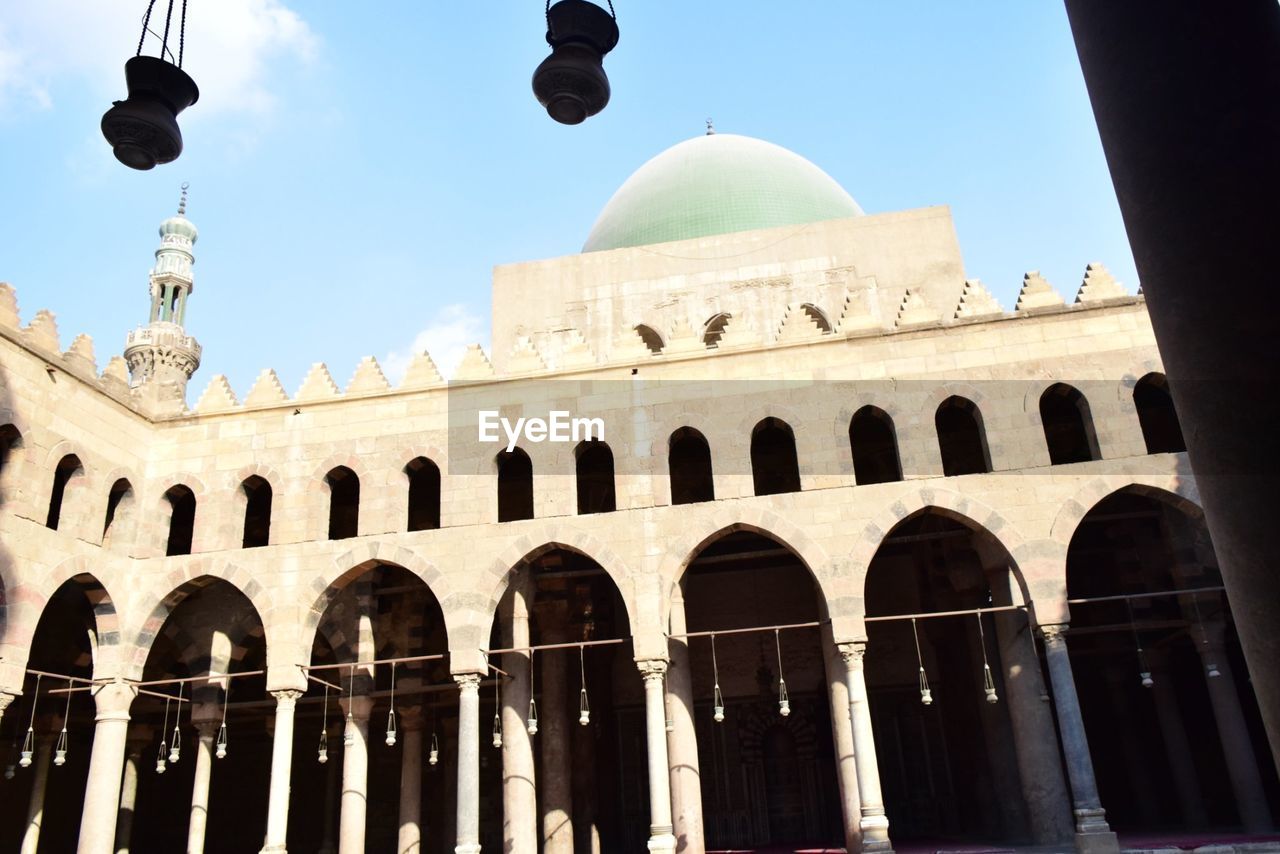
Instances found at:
x=257 y=512
x=118 y=501
x=817 y=316
x=774 y=467
x=1159 y=420
x=515 y=486
x=595 y=477
x=874 y=446
x=1068 y=426
x=182 y=520
x=344 y=503
x=68 y=468
x=961 y=437
x=689 y=464
x=424 y=494
x=651 y=338
x=714 y=329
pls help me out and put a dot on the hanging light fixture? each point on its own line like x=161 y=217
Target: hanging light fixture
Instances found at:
x=1035 y=656
x=571 y=82
x=926 y=695
x=497 y=709
x=322 y=753
x=391 y=713
x=784 y=701
x=143 y=128
x=531 y=722
x=1144 y=671
x=1211 y=667
x=349 y=731
x=220 y=745
x=433 y=755
x=29 y=741
x=584 y=708
x=988 y=683
x=666 y=704
x=717 y=699
x=164 y=748
x=60 y=749
x=175 y=749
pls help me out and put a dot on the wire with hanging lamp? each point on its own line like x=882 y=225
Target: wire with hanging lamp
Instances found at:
x=29 y=740
x=497 y=709
x=433 y=755
x=584 y=708
x=1144 y=670
x=571 y=82
x=1211 y=667
x=926 y=694
x=220 y=744
x=531 y=722
x=60 y=749
x=988 y=682
x=322 y=753
x=349 y=731
x=784 y=701
x=666 y=704
x=164 y=747
x=717 y=699
x=175 y=746
x=143 y=129
x=391 y=712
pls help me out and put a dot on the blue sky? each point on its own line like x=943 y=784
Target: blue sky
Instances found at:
x=356 y=176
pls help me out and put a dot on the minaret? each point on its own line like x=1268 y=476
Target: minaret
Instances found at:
x=161 y=355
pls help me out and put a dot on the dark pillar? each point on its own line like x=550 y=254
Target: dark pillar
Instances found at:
x=1187 y=99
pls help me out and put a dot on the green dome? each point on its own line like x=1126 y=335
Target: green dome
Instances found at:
x=178 y=225
x=717 y=184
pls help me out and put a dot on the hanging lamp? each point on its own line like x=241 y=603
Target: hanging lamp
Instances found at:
x=60 y=749
x=164 y=748
x=143 y=128
x=220 y=744
x=391 y=713
x=926 y=694
x=1211 y=667
x=666 y=704
x=497 y=709
x=988 y=683
x=531 y=723
x=784 y=701
x=175 y=748
x=1144 y=670
x=717 y=699
x=29 y=741
x=571 y=82
x=322 y=753
x=433 y=755
x=349 y=731
x=584 y=708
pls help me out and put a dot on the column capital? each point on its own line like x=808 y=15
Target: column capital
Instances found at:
x=1054 y=635
x=852 y=652
x=113 y=700
x=287 y=698
x=468 y=683
x=652 y=668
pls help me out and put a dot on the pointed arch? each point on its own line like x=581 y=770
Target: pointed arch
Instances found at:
x=775 y=466
x=1068 y=425
x=873 y=443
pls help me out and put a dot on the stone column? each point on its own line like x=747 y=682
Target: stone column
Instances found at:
x=660 y=836
x=682 y=741
x=1177 y=747
x=106 y=763
x=35 y=807
x=842 y=736
x=1237 y=748
x=553 y=736
x=1093 y=834
x=468 y=831
x=519 y=789
x=205 y=717
x=1044 y=788
x=411 y=782
x=129 y=793
x=874 y=824
x=281 y=769
x=355 y=774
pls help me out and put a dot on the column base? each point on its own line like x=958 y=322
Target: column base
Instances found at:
x=273 y=849
x=665 y=843
x=1093 y=834
x=467 y=848
x=874 y=830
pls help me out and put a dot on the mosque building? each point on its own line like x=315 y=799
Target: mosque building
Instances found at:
x=816 y=547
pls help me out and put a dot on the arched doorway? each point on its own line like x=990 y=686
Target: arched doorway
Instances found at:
x=945 y=635
x=1173 y=725
x=66 y=642
x=583 y=734
x=381 y=643
x=768 y=778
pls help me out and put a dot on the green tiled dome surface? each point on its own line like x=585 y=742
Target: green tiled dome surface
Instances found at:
x=717 y=184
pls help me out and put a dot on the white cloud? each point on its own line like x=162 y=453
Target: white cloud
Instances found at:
x=230 y=45
x=446 y=338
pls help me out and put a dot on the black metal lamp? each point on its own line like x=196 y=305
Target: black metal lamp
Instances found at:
x=143 y=128
x=571 y=82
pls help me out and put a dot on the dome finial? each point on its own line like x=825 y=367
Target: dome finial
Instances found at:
x=182 y=203
x=711 y=128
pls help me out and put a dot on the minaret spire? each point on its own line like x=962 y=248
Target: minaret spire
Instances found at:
x=161 y=355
